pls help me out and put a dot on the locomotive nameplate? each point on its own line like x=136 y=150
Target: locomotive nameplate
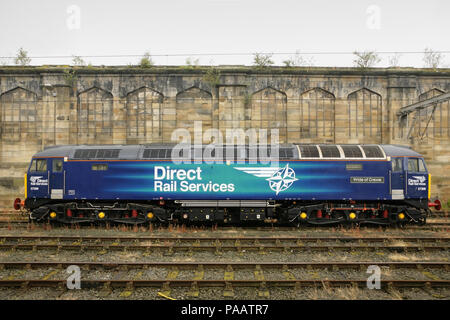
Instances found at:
x=366 y=179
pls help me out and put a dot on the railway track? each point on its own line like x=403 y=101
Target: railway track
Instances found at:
x=170 y=249
x=227 y=265
x=239 y=240
x=285 y=270
x=227 y=284
x=169 y=245
x=222 y=275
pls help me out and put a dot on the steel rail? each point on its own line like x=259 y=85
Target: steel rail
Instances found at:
x=225 y=264
x=127 y=283
x=19 y=238
x=217 y=247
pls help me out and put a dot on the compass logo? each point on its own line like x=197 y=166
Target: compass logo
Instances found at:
x=282 y=179
x=420 y=178
x=33 y=180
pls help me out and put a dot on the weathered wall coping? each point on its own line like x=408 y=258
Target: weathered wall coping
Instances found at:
x=248 y=70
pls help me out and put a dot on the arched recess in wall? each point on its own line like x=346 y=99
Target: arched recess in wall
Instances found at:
x=313 y=115
x=144 y=116
x=19 y=115
x=194 y=104
x=232 y=107
x=365 y=115
x=434 y=121
x=94 y=116
x=268 y=110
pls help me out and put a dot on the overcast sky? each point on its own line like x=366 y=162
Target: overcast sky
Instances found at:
x=132 y=27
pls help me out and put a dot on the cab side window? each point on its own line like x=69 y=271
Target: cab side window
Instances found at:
x=57 y=165
x=38 y=165
x=41 y=165
x=422 y=166
x=397 y=164
x=33 y=166
x=413 y=165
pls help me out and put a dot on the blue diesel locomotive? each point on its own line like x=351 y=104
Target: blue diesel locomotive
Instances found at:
x=293 y=183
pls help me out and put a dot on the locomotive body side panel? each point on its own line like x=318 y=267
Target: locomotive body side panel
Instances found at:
x=287 y=180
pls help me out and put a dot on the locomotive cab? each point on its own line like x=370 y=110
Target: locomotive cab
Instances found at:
x=45 y=179
x=409 y=178
x=418 y=179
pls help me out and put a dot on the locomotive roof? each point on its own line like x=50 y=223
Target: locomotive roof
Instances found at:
x=399 y=151
x=130 y=152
